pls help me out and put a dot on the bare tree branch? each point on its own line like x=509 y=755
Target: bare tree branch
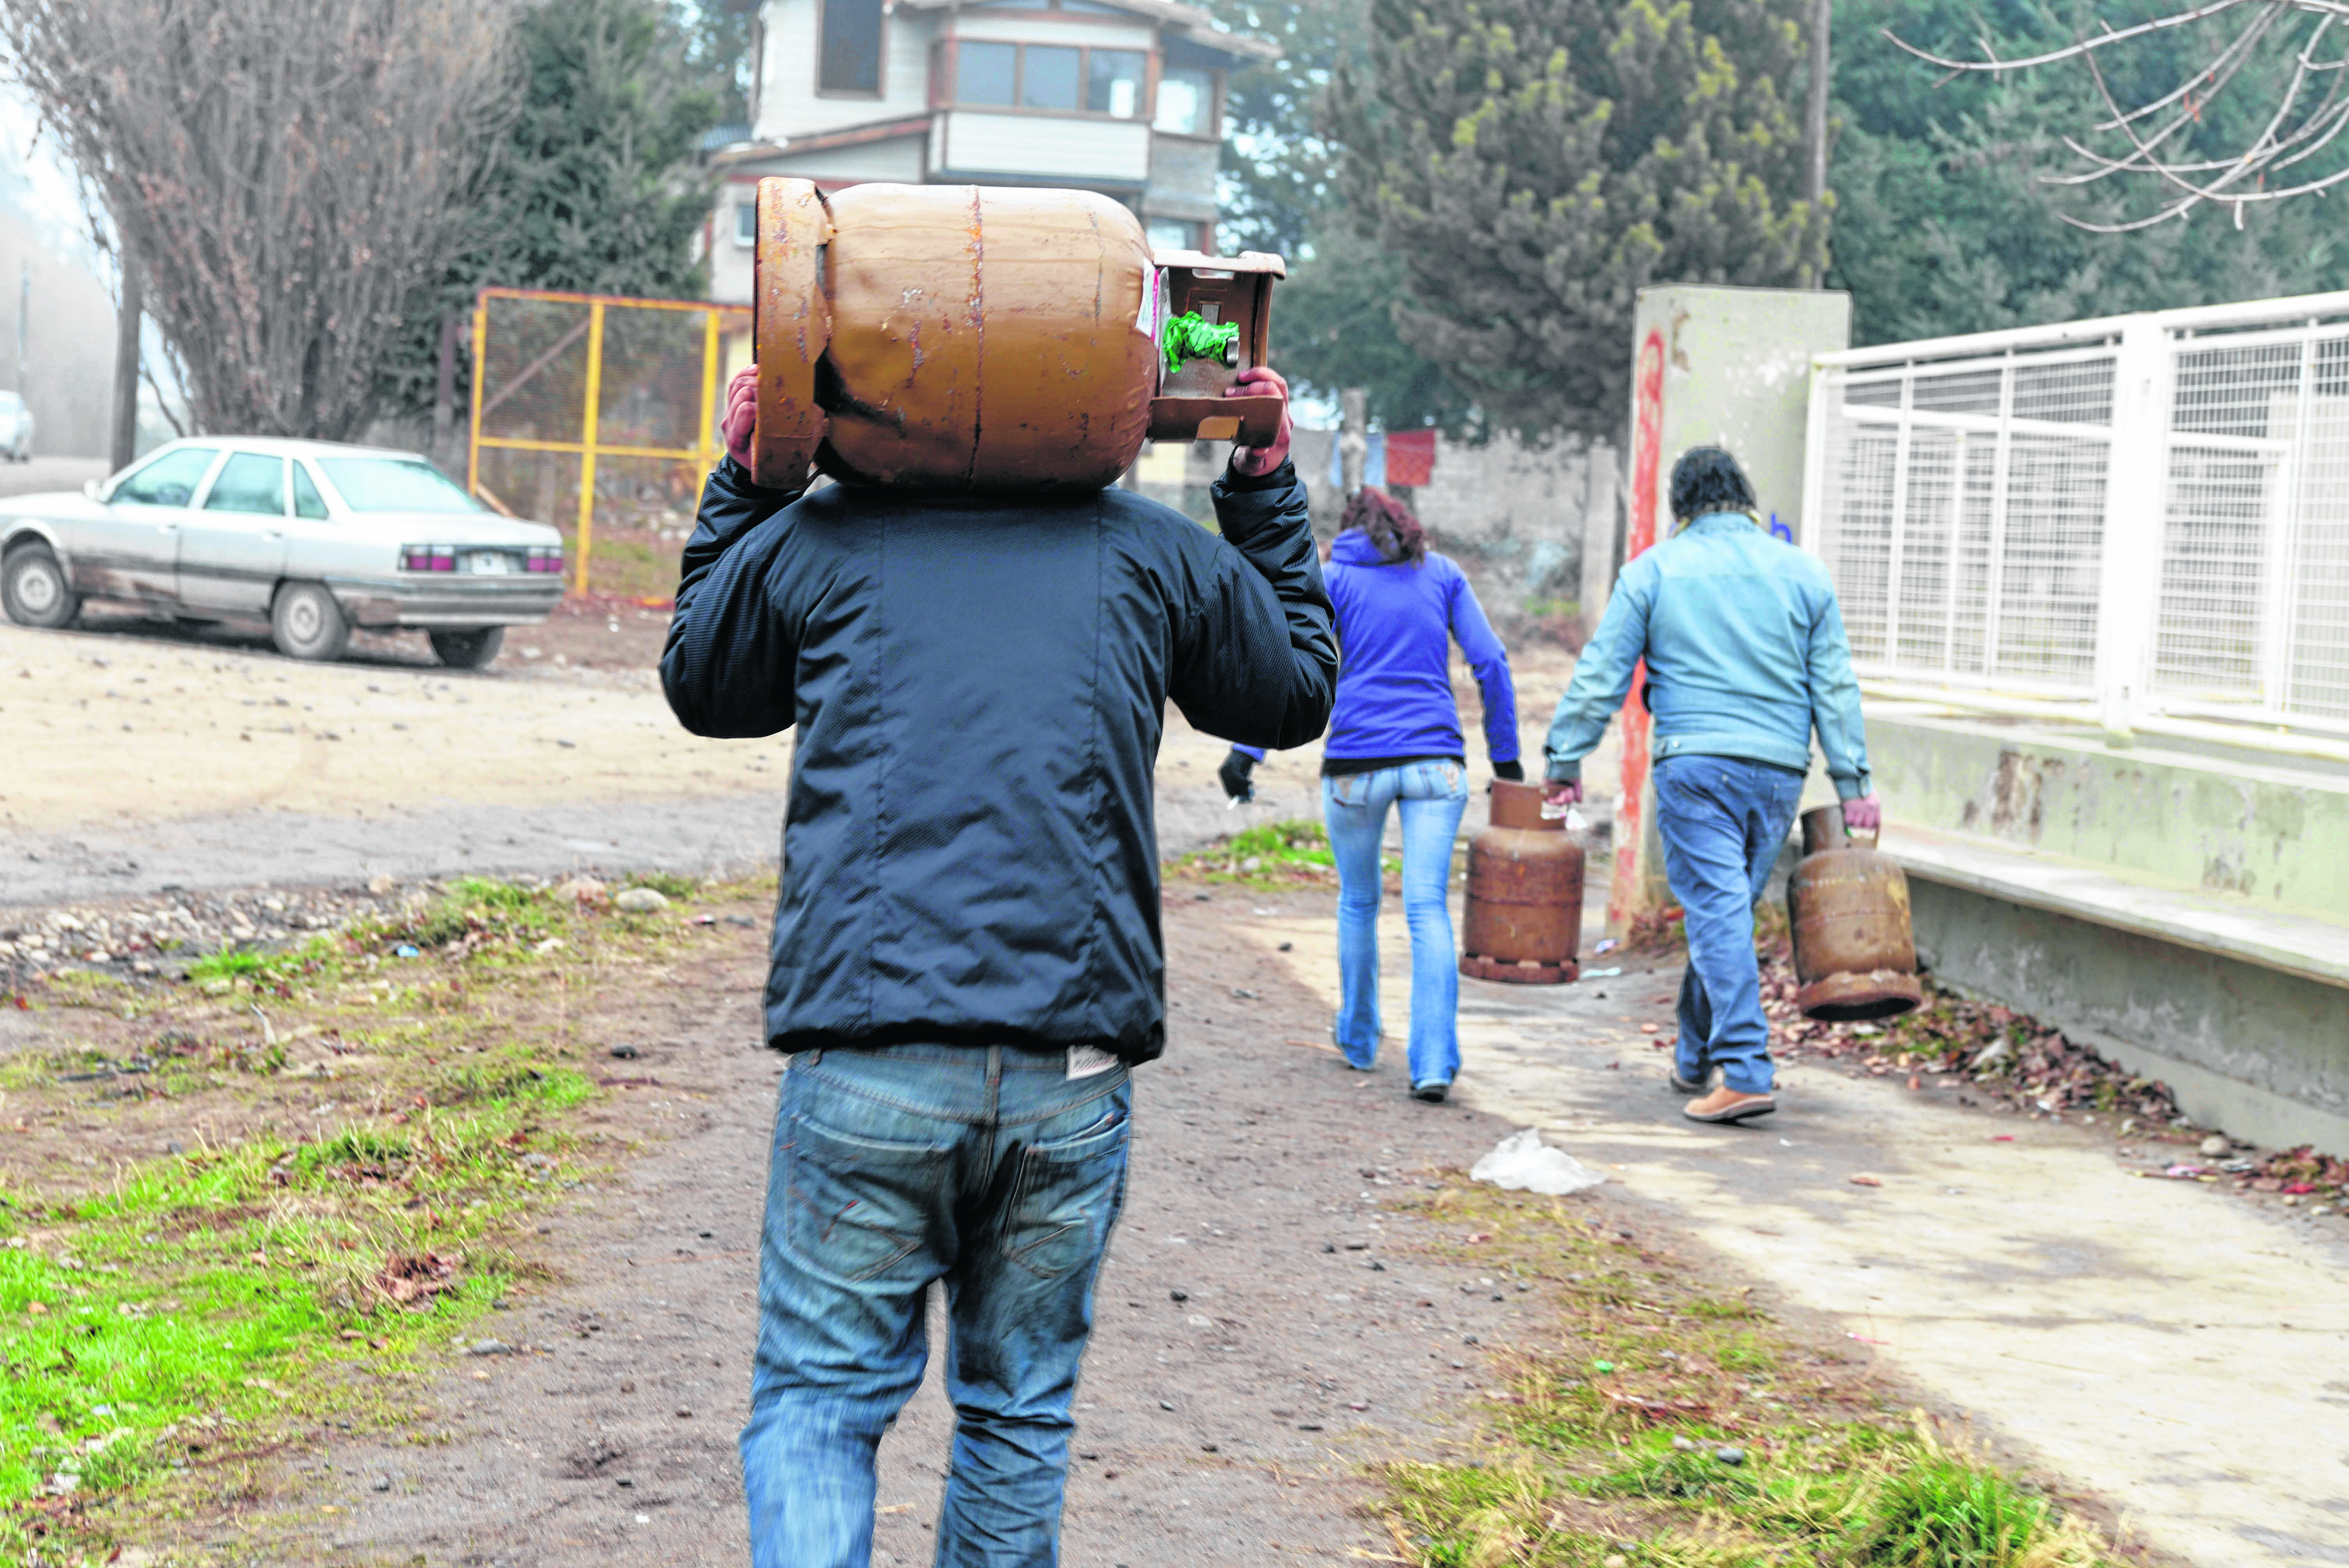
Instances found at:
x=288 y=172
x=2157 y=136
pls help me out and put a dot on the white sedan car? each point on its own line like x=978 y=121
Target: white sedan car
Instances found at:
x=309 y=537
x=15 y=429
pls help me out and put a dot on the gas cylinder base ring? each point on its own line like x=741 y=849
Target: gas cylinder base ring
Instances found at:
x=1510 y=970
x=1854 y=999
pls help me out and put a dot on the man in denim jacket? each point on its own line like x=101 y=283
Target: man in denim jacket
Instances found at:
x=967 y=957
x=1746 y=655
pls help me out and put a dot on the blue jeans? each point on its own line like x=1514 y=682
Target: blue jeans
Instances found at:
x=1722 y=820
x=987 y=1167
x=1430 y=798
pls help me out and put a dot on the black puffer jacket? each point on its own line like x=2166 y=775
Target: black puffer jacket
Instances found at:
x=979 y=686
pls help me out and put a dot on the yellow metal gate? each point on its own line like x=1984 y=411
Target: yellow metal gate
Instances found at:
x=598 y=414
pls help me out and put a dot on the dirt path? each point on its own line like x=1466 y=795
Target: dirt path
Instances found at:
x=141 y=755
x=2148 y=1340
x=1225 y=1427
x=139 y=759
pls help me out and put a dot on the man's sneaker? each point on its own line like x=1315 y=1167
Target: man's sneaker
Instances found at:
x=1431 y=1091
x=1683 y=1087
x=1725 y=1104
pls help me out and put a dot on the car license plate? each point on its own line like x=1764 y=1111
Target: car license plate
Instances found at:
x=489 y=563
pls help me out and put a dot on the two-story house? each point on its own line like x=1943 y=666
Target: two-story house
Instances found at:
x=1122 y=96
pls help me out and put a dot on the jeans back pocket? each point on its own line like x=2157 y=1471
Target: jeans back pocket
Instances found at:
x=857 y=1207
x=1067 y=1196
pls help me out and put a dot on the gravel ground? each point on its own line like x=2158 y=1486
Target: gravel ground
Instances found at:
x=1227 y=1426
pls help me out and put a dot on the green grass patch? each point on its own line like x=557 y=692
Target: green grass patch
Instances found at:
x=218 y=1292
x=476 y=1083
x=1671 y=1426
x=234 y=965
x=168 y=1323
x=1288 y=851
x=474 y=914
x=668 y=884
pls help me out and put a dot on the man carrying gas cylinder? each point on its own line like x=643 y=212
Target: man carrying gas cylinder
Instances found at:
x=968 y=961
x=1746 y=655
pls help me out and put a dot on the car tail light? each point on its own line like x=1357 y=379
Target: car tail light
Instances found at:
x=428 y=558
x=545 y=557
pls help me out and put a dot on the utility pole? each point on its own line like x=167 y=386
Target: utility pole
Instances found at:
x=1353 y=437
x=444 y=394
x=23 y=316
x=1815 y=184
x=126 y=314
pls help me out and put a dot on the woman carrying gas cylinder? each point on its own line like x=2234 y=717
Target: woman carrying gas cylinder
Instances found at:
x=1394 y=741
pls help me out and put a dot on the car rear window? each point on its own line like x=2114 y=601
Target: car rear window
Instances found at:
x=395 y=484
x=250 y=481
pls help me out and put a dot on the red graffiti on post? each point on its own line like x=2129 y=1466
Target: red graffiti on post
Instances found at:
x=1623 y=900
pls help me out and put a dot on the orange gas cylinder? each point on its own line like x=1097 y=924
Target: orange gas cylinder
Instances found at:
x=1525 y=893
x=1854 y=952
x=969 y=338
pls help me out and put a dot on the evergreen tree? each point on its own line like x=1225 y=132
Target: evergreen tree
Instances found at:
x=1278 y=173
x=1948 y=223
x=720 y=36
x=594 y=186
x=1333 y=326
x=1534 y=162
x=1334 y=319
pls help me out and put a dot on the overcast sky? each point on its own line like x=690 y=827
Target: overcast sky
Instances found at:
x=38 y=186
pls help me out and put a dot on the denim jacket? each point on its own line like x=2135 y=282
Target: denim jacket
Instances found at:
x=1746 y=652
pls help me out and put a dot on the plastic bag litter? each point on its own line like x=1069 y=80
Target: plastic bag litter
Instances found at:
x=1522 y=1160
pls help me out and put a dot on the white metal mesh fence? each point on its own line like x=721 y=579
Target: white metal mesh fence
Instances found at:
x=2000 y=515
x=1963 y=516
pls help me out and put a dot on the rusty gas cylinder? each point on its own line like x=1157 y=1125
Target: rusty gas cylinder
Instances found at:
x=1525 y=893
x=970 y=338
x=1854 y=950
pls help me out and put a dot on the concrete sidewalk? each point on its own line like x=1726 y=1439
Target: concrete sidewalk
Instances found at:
x=2183 y=1354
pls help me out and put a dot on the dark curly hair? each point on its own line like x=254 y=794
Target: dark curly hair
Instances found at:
x=1708 y=480
x=1390 y=524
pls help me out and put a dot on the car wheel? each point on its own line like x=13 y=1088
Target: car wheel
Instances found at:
x=307 y=624
x=33 y=589
x=468 y=650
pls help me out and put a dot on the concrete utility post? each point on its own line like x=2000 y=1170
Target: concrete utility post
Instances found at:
x=1355 y=435
x=126 y=316
x=1725 y=367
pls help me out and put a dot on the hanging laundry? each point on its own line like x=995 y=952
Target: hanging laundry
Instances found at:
x=1411 y=458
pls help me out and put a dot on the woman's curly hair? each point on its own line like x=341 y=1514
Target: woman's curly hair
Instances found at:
x=1392 y=530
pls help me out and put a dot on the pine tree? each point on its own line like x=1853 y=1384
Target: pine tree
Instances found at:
x=593 y=187
x=1535 y=162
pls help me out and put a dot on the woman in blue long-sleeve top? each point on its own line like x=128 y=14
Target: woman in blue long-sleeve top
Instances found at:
x=1394 y=741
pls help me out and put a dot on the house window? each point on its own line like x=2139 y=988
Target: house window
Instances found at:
x=1055 y=78
x=1048 y=77
x=746 y=222
x=1186 y=102
x=850 y=59
x=1113 y=82
x=984 y=73
x=1173 y=234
